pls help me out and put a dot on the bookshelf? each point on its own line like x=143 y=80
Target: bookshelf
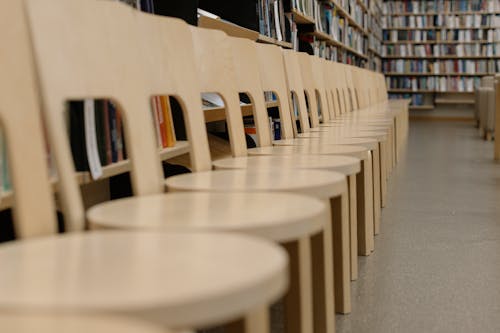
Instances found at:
x=434 y=51
x=340 y=31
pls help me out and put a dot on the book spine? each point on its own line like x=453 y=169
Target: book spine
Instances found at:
x=107 y=132
x=168 y=122
x=77 y=135
x=91 y=139
x=119 y=135
x=113 y=132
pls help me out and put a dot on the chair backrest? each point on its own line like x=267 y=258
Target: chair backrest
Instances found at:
x=248 y=81
x=295 y=87
x=350 y=90
x=99 y=54
x=169 y=69
x=311 y=86
x=319 y=74
x=216 y=74
x=338 y=77
x=358 y=84
x=332 y=104
x=273 y=76
x=20 y=118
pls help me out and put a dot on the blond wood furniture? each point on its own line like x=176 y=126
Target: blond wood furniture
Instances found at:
x=248 y=68
x=294 y=80
x=221 y=55
x=284 y=183
x=243 y=52
x=173 y=279
x=50 y=323
x=170 y=278
x=273 y=223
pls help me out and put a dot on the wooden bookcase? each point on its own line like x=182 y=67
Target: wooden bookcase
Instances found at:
x=437 y=55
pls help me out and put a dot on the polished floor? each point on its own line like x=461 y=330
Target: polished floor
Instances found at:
x=436 y=266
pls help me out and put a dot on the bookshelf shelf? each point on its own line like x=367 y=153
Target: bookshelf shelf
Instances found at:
x=441 y=28
x=444 y=13
x=6 y=200
x=483 y=41
x=269 y=40
x=422 y=107
x=441 y=57
x=329 y=40
x=219 y=113
x=237 y=31
x=431 y=74
x=301 y=18
x=374 y=51
x=453 y=101
x=107 y=171
x=181 y=147
x=362 y=5
x=411 y=91
x=228 y=27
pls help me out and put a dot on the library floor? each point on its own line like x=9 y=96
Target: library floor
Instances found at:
x=436 y=267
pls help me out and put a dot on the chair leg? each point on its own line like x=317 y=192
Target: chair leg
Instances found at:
x=298 y=300
x=257 y=321
x=377 y=192
x=383 y=171
x=340 y=219
x=323 y=280
x=353 y=231
x=365 y=216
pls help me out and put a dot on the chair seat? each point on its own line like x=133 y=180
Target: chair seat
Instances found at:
x=279 y=217
x=347 y=133
x=343 y=164
x=176 y=279
x=355 y=151
x=368 y=143
x=51 y=323
x=354 y=126
x=316 y=183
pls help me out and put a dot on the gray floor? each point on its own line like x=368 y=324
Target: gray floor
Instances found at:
x=436 y=266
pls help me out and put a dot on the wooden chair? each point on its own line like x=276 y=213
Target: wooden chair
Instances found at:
x=174 y=279
x=261 y=214
x=316 y=91
x=348 y=166
x=294 y=80
x=197 y=181
x=50 y=323
x=366 y=245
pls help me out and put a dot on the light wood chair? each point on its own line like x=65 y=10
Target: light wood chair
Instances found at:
x=346 y=165
x=366 y=245
x=249 y=69
x=354 y=151
x=196 y=181
x=50 y=323
x=261 y=214
x=178 y=280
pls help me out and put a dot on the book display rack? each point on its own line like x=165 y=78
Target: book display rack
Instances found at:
x=434 y=48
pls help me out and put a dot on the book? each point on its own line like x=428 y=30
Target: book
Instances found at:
x=77 y=135
x=93 y=158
